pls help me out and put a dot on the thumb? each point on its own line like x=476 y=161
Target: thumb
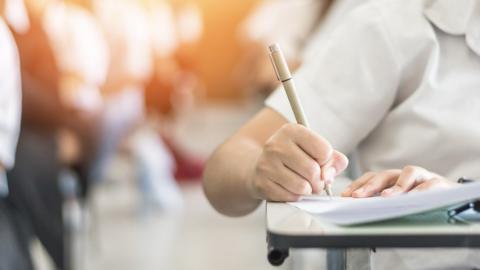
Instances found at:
x=336 y=165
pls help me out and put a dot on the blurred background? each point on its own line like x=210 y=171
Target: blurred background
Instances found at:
x=123 y=101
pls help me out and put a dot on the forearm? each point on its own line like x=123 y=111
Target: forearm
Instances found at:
x=228 y=174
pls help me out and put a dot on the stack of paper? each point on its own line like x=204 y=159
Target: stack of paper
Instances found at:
x=349 y=211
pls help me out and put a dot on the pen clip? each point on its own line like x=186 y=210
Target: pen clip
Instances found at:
x=277 y=74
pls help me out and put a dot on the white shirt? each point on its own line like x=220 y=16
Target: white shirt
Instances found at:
x=267 y=23
x=79 y=48
x=400 y=82
x=16 y=16
x=10 y=100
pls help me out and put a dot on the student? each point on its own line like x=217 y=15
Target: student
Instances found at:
x=129 y=36
x=10 y=95
x=33 y=182
x=398 y=83
x=13 y=250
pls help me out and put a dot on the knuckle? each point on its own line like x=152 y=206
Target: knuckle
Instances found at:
x=373 y=184
x=270 y=145
x=272 y=150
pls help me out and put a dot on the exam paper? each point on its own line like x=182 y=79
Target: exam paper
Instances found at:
x=350 y=211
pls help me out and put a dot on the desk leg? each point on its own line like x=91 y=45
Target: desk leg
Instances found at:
x=336 y=259
x=276 y=257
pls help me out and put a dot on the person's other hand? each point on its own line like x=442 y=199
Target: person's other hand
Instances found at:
x=294 y=162
x=394 y=182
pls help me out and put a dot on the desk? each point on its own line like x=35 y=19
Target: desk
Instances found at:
x=289 y=227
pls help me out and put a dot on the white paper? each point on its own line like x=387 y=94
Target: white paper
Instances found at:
x=349 y=211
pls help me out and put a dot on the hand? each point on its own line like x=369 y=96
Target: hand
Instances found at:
x=394 y=182
x=294 y=162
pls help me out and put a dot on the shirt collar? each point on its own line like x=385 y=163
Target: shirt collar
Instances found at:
x=460 y=17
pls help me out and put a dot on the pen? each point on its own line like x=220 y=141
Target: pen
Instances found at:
x=283 y=75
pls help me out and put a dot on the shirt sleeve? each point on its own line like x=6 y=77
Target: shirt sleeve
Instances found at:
x=349 y=83
x=10 y=97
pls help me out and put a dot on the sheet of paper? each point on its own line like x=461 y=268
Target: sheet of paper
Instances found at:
x=349 y=211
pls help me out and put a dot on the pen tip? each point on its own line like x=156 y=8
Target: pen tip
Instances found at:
x=328 y=189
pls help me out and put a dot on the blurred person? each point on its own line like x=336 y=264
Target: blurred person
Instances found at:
x=387 y=85
x=126 y=30
x=33 y=182
x=14 y=248
x=71 y=27
x=126 y=25
x=171 y=89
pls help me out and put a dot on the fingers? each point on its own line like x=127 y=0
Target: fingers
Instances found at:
x=291 y=159
x=311 y=143
x=435 y=183
x=274 y=192
x=273 y=166
x=357 y=184
x=376 y=184
x=292 y=182
x=410 y=177
x=303 y=165
x=334 y=166
x=393 y=182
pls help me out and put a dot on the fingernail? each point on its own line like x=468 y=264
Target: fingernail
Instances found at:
x=330 y=174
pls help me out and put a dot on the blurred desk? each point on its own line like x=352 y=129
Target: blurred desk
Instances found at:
x=289 y=227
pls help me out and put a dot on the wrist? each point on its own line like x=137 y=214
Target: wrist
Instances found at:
x=250 y=178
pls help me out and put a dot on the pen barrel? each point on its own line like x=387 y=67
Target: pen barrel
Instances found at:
x=295 y=103
x=283 y=74
x=279 y=63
